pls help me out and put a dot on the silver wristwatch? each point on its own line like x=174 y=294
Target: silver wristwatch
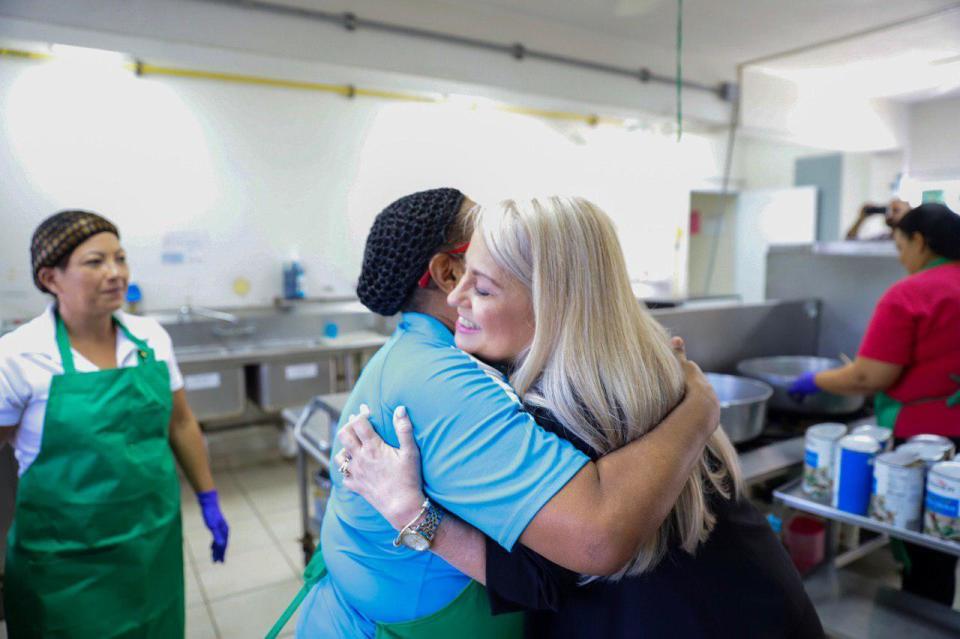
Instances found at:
x=418 y=534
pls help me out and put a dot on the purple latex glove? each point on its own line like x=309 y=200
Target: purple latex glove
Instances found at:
x=804 y=385
x=213 y=518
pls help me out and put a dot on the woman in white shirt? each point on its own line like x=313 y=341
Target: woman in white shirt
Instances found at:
x=93 y=402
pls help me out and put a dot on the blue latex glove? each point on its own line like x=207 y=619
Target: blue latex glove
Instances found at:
x=213 y=518
x=804 y=385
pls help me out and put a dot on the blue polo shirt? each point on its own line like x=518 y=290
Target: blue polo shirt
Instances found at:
x=484 y=459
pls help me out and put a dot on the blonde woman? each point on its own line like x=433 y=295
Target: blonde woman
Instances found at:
x=546 y=294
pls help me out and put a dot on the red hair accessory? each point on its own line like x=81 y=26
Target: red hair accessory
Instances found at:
x=425 y=279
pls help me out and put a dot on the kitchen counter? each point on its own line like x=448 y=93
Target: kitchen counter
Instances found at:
x=275 y=350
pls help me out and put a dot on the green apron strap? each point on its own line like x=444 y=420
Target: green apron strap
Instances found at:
x=954 y=400
x=66 y=353
x=900 y=554
x=315 y=571
x=143 y=350
x=63 y=344
x=940 y=261
x=887 y=410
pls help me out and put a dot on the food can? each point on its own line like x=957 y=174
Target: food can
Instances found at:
x=853 y=473
x=930 y=452
x=897 y=498
x=936 y=440
x=942 y=516
x=882 y=435
x=820 y=444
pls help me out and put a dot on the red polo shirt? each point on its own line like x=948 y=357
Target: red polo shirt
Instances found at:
x=917 y=325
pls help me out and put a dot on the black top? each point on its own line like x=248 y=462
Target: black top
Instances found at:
x=740 y=583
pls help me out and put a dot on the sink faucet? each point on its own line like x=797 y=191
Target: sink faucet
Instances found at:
x=187 y=311
x=232 y=328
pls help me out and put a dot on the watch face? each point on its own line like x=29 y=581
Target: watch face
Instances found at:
x=414 y=541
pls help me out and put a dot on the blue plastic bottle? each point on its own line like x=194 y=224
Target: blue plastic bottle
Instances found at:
x=293 y=279
x=134 y=297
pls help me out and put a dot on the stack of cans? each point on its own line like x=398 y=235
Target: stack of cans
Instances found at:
x=915 y=487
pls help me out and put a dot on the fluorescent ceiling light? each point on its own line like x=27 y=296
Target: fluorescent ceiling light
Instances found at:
x=73 y=53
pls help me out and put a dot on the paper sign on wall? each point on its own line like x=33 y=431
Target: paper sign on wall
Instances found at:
x=201 y=381
x=184 y=247
x=301 y=371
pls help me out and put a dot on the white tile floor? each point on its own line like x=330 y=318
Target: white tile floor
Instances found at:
x=242 y=597
x=258 y=494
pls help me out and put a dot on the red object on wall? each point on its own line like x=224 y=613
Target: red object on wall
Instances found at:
x=694 y=222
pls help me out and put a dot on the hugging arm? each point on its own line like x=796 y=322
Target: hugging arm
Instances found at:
x=389 y=478
x=593 y=525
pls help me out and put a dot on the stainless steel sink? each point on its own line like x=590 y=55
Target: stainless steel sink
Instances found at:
x=199 y=350
x=289 y=343
x=278 y=359
x=215 y=389
x=293 y=380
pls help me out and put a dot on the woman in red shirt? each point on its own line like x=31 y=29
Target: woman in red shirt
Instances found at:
x=910 y=357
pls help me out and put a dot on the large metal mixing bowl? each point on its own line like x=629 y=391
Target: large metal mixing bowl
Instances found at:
x=780 y=372
x=743 y=405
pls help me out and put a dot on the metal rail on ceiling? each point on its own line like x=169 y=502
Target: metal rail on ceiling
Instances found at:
x=352 y=22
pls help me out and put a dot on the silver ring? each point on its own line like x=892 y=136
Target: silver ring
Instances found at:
x=343 y=468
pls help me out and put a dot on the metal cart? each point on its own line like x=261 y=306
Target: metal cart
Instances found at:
x=792 y=495
x=313 y=430
x=854 y=605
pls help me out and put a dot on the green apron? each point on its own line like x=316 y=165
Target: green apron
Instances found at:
x=466 y=617
x=95 y=550
x=887 y=409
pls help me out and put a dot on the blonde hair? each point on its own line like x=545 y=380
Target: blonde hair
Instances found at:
x=598 y=360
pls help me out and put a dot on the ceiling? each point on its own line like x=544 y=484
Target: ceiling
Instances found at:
x=892 y=43
x=734 y=30
x=911 y=62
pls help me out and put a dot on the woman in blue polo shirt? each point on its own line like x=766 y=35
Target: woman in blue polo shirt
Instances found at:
x=593 y=366
x=485 y=459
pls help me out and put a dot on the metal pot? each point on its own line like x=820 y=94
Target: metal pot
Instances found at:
x=780 y=372
x=743 y=405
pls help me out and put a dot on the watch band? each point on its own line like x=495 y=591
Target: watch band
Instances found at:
x=425 y=524
x=427 y=528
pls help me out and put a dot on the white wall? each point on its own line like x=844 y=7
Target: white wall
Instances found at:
x=765 y=217
x=251 y=173
x=717 y=233
x=935 y=139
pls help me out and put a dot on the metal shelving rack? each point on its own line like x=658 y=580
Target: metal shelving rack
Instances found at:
x=792 y=495
x=313 y=431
